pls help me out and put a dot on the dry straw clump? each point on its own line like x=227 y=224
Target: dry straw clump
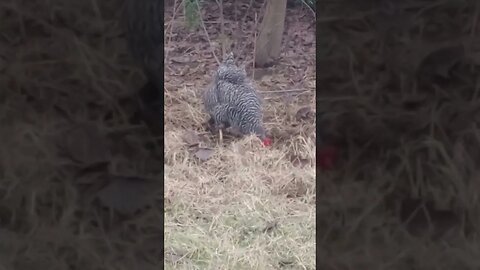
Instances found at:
x=242 y=206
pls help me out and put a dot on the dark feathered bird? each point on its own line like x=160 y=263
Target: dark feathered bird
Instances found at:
x=232 y=101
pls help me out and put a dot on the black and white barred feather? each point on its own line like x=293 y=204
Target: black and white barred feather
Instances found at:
x=232 y=101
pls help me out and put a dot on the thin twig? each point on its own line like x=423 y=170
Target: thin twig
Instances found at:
x=242 y=50
x=222 y=25
x=170 y=27
x=311 y=9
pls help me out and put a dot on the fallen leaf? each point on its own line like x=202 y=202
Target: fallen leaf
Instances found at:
x=191 y=138
x=90 y=173
x=175 y=255
x=181 y=59
x=440 y=60
x=127 y=195
x=286 y=262
x=173 y=258
x=204 y=153
x=303 y=113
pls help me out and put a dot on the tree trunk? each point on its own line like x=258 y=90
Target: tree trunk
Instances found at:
x=269 y=41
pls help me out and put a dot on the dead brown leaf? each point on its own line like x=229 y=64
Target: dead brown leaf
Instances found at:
x=439 y=61
x=181 y=59
x=304 y=113
x=175 y=255
x=191 y=138
x=126 y=195
x=91 y=173
x=204 y=153
x=426 y=58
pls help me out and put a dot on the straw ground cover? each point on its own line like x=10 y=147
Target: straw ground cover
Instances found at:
x=397 y=84
x=235 y=204
x=74 y=166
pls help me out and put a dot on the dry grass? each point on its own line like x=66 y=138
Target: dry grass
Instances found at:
x=400 y=95
x=247 y=207
x=64 y=66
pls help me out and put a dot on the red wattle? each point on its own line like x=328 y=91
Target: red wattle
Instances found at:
x=267 y=142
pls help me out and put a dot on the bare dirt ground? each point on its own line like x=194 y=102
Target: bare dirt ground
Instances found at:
x=398 y=90
x=235 y=204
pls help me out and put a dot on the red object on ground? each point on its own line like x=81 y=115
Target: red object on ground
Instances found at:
x=267 y=142
x=327 y=157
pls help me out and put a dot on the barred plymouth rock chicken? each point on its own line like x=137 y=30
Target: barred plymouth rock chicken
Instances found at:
x=232 y=101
